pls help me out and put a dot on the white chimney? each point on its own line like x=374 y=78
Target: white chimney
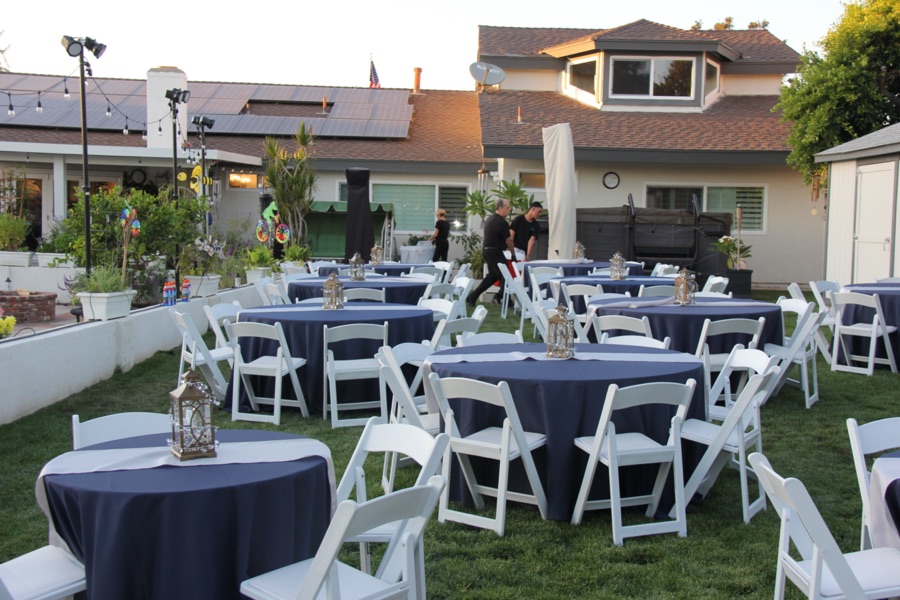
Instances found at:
x=159 y=80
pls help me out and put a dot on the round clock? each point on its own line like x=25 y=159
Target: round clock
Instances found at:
x=611 y=180
x=138 y=176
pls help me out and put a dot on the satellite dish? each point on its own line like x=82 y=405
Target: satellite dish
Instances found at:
x=486 y=73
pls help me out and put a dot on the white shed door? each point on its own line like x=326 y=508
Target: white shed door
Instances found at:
x=873 y=239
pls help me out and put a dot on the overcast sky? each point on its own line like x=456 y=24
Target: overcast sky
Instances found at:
x=329 y=42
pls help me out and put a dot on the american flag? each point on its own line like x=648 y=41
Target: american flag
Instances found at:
x=373 y=75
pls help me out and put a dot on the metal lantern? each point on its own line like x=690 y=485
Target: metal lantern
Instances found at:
x=578 y=251
x=685 y=287
x=561 y=334
x=377 y=254
x=333 y=292
x=357 y=268
x=193 y=430
x=617 y=268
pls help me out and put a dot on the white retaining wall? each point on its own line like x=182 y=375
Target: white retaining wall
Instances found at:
x=40 y=279
x=42 y=369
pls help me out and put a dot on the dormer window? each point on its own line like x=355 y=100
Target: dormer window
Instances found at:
x=582 y=79
x=652 y=77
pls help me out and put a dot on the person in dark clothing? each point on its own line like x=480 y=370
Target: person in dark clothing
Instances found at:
x=441 y=236
x=526 y=229
x=497 y=238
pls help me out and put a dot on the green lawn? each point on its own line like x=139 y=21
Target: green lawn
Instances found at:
x=721 y=557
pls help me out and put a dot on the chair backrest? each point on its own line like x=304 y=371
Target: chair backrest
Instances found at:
x=539 y=276
x=479 y=391
x=390 y=372
x=636 y=340
x=408 y=353
x=297 y=275
x=747 y=327
x=579 y=289
x=446 y=268
x=443 y=308
x=801 y=309
x=607 y=323
x=802 y=523
x=118 y=426
x=411 y=507
x=446 y=329
x=260 y=285
x=447 y=291
x=436 y=273
x=315 y=265
x=744 y=413
x=277 y=296
x=463 y=286
x=216 y=314
x=821 y=290
x=362 y=331
x=239 y=330
x=874 y=437
x=601 y=272
x=462 y=271
x=191 y=338
x=715 y=284
x=747 y=361
x=673 y=394
x=656 y=290
x=371 y=294
x=888 y=280
x=795 y=292
x=489 y=337
x=841 y=299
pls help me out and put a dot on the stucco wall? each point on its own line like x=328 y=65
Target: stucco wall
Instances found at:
x=751 y=85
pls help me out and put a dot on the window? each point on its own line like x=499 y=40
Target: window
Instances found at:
x=583 y=76
x=679 y=198
x=535 y=181
x=413 y=205
x=750 y=199
x=656 y=77
x=243 y=181
x=711 y=83
x=453 y=200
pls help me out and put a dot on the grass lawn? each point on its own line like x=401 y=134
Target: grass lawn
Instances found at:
x=721 y=557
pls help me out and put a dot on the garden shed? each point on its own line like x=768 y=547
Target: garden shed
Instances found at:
x=326 y=227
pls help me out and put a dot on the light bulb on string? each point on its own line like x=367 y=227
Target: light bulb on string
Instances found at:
x=66 y=93
x=108 y=110
x=125 y=131
x=10 y=111
x=39 y=108
x=144 y=135
x=159 y=131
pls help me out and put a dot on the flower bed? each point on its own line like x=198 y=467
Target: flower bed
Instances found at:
x=36 y=306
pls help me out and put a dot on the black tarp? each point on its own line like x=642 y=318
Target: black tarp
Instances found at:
x=360 y=234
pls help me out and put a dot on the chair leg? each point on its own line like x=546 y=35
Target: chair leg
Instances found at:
x=585 y=490
x=298 y=391
x=276 y=399
x=889 y=350
x=615 y=501
x=502 y=488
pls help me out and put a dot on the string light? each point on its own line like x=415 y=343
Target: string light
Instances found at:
x=11 y=111
x=108 y=110
x=160 y=128
x=125 y=131
x=144 y=135
x=66 y=94
x=39 y=108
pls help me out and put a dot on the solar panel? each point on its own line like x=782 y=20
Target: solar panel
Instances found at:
x=274 y=93
x=351 y=95
x=392 y=112
x=389 y=96
x=121 y=87
x=257 y=124
x=346 y=110
x=344 y=127
x=203 y=90
x=225 y=123
x=241 y=91
x=387 y=129
x=224 y=106
x=312 y=94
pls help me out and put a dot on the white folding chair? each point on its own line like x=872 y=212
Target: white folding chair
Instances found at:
x=586 y=292
x=598 y=272
x=823 y=571
x=636 y=340
x=277 y=295
x=201 y=358
x=740 y=432
x=446 y=268
x=445 y=330
x=620 y=325
x=821 y=291
x=349 y=370
x=800 y=350
x=315 y=265
x=118 y=426
x=48 y=573
x=405 y=407
x=462 y=285
x=748 y=329
x=795 y=292
x=540 y=276
x=437 y=274
x=368 y=294
x=445 y=291
x=876 y=329
x=462 y=271
x=489 y=337
x=508 y=292
x=504 y=444
x=741 y=362
x=715 y=284
x=277 y=366
x=216 y=315
x=440 y=308
x=870 y=438
x=260 y=285
x=646 y=291
x=323 y=576
x=389 y=439
x=624 y=449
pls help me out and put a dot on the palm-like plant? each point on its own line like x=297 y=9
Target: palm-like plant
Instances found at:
x=513 y=191
x=292 y=179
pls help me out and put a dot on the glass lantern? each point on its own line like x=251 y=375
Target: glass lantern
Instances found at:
x=376 y=254
x=357 y=268
x=333 y=292
x=685 y=287
x=578 y=251
x=193 y=429
x=561 y=334
x=617 y=268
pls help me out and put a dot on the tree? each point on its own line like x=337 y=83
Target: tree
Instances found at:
x=844 y=94
x=292 y=179
x=764 y=24
x=725 y=24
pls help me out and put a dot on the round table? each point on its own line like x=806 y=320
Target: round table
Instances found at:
x=574 y=267
x=884 y=501
x=393 y=269
x=399 y=290
x=889 y=295
x=190 y=531
x=683 y=324
x=303 y=330
x=563 y=399
x=632 y=285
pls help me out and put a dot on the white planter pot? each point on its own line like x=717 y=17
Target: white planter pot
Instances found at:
x=15 y=259
x=205 y=286
x=46 y=259
x=254 y=274
x=106 y=306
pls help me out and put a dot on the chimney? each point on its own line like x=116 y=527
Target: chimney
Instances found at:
x=417 y=80
x=159 y=80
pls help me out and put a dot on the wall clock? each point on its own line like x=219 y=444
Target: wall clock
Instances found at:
x=611 y=180
x=138 y=176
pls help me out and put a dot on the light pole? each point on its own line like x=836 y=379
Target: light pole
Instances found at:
x=75 y=47
x=176 y=96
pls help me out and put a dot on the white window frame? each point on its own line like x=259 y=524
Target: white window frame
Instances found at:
x=706 y=92
x=578 y=93
x=705 y=206
x=649 y=95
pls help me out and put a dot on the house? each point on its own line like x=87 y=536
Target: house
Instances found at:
x=863 y=218
x=656 y=112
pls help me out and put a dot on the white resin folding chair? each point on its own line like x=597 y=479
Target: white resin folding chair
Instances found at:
x=195 y=352
x=463 y=286
x=264 y=296
x=324 y=576
x=539 y=277
x=598 y=272
x=277 y=295
x=489 y=337
x=750 y=329
x=405 y=407
x=48 y=573
x=800 y=350
x=715 y=284
x=118 y=426
x=620 y=325
x=277 y=366
x=739 y=432
x=656 y=290
x=389 y=439
x=445 y=291
x=315 y=265
x=462 y=271
x=874 y=330
x=368 y=294
x=636 y=340
x=508 y=291
x=445 y=330
x=568 y=291
x=404 y=357
x=504 y=444
x=823 y=571
x=350 y=370
x=821 y=291
x=440 y=308
x=870 y=438
x=795 y=292
x=216 y=315
x=436 y=272
x=888 y=280
x=740 y=365
x=624 y=449
x=446 y=268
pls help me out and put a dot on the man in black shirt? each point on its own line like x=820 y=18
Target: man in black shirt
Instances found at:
x=497 y=238
x=526 y=229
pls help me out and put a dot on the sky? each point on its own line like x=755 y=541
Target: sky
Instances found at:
x=322 y=42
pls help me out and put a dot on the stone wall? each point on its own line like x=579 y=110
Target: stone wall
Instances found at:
x=29 y=308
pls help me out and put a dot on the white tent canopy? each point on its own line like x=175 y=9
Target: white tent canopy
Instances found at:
x=559 y=169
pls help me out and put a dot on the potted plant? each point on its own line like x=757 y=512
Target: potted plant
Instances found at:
x=296 y=255
x=198 y=264
x=13 y=230
x=258 y=262
x=739 y=277
x=53 y=250
x=103 y=293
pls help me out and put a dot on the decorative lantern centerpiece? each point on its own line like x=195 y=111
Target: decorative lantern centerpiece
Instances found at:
x=357 y=268
x=685 y=287
x=377 y=254
x=333 y=293
x=561 y=334
x=617 y=268
x=193 y=430
x=578 y=251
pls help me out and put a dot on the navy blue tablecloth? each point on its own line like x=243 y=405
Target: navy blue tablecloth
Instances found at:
x=405 y=290
x=631 y=284
x=889 y=295
x=572 y=269
x=892 y=494
x=190 y=531
x=683 y=324
x=393 y=269
x=563 y=399
x=303 y=330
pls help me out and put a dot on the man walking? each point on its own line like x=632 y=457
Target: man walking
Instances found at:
x=497 y=238
x=526 y=229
